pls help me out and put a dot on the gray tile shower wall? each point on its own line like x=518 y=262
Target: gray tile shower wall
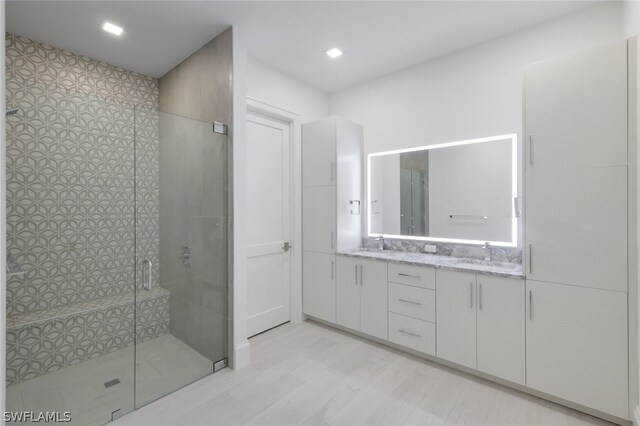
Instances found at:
x=195 y=210
x=71 y=187
x=82 y=170
x=499 y=254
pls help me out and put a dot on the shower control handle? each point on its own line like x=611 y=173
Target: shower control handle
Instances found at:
x=146 y=274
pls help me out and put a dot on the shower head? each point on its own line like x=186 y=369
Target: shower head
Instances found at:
x=11 y=111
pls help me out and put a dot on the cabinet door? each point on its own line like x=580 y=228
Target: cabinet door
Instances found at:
x=577 y=345
x=319 y=219
x=373 y=298
x=319 y=153
x=577 y=227
x=576 y=109
x=349 y=184
x=319 y=285
x=348 y=292
x=501 y=328
x=456 y=317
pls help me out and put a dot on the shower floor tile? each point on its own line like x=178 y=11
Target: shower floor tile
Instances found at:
x=163 y=365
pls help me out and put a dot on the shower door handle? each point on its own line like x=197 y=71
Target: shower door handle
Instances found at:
x=146 y=274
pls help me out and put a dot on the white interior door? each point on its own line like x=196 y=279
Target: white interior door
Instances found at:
x=268 y=233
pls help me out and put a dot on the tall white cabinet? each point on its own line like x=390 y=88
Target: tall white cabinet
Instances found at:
x=576 y=256
x=332 y=150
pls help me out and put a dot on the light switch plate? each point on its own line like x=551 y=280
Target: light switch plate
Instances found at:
x=430 y=248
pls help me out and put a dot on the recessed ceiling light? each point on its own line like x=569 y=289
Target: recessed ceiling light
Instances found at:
x=334 y=52
x=113 y=29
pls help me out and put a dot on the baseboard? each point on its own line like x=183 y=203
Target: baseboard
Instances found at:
x=635 y=416
x=241 y=355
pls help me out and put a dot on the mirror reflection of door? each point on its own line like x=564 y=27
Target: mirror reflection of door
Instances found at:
x=414 y=193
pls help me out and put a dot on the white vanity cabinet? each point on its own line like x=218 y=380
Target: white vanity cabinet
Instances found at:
x=578 y=175
x=500 y=327
x=576 y=168
x=319 y=224
x=331 y=204
x=412 y=307
x=319 y=153
x=577 y=345
x=577 y=227
x=319 y=278
x=576 y=110
x=456 y=317
x=480 y=323
x=361 y=295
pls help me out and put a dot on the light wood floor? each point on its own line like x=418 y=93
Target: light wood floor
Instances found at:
x=309 y=374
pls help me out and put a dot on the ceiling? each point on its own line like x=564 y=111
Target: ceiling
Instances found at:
x=377 y=37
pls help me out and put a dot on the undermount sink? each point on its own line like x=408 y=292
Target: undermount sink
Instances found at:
x=476 y=262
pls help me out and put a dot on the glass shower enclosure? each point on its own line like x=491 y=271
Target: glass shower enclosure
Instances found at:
x=117 y=242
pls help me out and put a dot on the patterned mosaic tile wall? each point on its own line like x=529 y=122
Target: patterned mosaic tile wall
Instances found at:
x=82 y=166
x=44 y=346
x=71 y=166
x=31 y=60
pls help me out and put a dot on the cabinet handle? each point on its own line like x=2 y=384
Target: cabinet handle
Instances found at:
x=333 y=171
x=409 y=333
x=410 y=301
x=480 y=296
x=530 y=259
x=471 y=295
x=361 y=283
x=332 y=268
x=410 y=276
x=332 y=240
x=530 y=150
x=356 y=274
x=530 y=305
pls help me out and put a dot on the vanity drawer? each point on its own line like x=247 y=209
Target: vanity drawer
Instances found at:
x=413 y=302
x=419 y=276
x=412 y=333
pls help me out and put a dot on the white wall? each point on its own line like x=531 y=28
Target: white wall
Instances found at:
x=241 y=349
x=473 y=93
x=269 y=85
x=476 y=92
x=292 y=98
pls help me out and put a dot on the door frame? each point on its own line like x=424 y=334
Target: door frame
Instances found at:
x=267 y=110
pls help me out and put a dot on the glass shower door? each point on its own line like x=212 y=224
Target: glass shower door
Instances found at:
x=70 y=265
x=181 y=252
x=117 y=253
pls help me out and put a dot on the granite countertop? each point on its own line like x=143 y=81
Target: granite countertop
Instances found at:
x=500 y=269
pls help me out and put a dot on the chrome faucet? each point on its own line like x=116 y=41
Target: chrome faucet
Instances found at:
x=380 y=240
x=487 y=251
